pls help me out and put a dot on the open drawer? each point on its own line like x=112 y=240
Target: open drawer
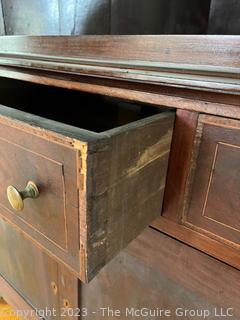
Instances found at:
x=99 y=165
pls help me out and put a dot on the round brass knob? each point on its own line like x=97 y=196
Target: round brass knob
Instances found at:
x=16 y=198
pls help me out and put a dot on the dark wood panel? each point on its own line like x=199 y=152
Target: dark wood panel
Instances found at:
x=203 y=208
x=159 y=17
x=224 y=17
x=125 y=194
x=52 y=220
x=179 y=162
x=198 y=240
x=30 y=280
x=212 y=199
x=27 y=269
x=52 y=208
x=157 y=271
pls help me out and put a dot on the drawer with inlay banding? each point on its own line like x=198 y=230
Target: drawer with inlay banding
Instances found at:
x=85 y=182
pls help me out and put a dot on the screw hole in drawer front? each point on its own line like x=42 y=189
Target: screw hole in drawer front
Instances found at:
x=66 y=303
x=54 y=287
x=100 y=165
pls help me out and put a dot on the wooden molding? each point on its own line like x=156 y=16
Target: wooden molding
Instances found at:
x=209 y=63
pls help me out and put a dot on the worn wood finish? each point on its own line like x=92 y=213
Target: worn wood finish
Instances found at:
x=16 y=300
x=26 y=269
x=148 y=59
x=121 y=162
x=198 y=240
x=51 y=219
x=203 y=208
x=179 y=162
x=97 y=191
x=33 y=281
x=159 y=272
x=212 y=203
x=126 y=193
x=153 y=265
x=215 y=50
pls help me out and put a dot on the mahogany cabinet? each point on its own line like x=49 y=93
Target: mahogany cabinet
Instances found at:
x=115 y=134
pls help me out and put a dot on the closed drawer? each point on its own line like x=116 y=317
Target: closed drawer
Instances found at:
x=39 y=280
x=213 y=194
x=99 y=187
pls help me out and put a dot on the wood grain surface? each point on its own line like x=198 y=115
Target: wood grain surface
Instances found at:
x=201 y=200
x=155 y=270
x=100 y=185
x=199 y=62
x=213 y=201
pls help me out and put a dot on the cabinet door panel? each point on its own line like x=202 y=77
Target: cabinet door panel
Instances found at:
x=202 y=197
x=214 y=197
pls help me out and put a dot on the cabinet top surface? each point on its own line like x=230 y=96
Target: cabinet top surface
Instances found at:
x=211 y=50
x=198 y=62
x=187 y=52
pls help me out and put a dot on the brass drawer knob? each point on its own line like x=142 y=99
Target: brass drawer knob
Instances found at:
x=16 y=198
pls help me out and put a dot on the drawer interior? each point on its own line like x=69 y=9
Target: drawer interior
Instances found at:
x=84 y=110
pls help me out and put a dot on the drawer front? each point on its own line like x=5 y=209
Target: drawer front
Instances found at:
x=52 y=168
x=214 y=182
x=52 y=219
x=37 y=278
x=97 y=192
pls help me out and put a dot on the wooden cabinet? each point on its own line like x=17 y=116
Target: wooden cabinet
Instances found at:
x=213 y=194
x=115 y=132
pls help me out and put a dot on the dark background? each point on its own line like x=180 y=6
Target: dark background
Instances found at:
x=74 y=17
